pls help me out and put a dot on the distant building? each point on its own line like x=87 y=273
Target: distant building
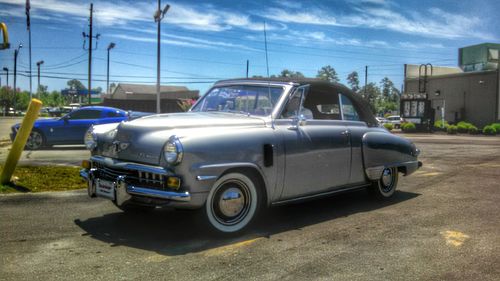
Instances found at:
x=469 y=92
x=143 y=97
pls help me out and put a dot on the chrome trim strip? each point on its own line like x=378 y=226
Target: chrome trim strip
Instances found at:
x=319 y=195
x=129 y=166
x=175 y=196
x=205 y=178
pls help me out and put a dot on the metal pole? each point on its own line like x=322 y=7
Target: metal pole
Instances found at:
x=90 y=54
x=16 y=51
x=38 y=88
x=158 y=60
x=366 y=78
x=7 y=74
x=29 y=50
x=247 y=67
x=107 y=75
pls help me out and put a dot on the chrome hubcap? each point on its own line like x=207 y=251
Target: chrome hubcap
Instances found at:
x=34 y=140
x=231 y=202
x=387 y=178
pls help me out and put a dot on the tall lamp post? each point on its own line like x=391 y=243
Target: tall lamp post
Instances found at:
x=7 y=74
x=38 y=66
x=16 y=52
x=111 y=46
x=159 y=14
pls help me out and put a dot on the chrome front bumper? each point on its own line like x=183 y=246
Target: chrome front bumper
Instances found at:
x=124 y=191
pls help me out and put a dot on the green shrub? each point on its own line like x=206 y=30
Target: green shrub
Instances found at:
x=438 y=125
x=463 y=127
x=473 y=130
x=452 y=129
x=489 y=130
x=408 y=127
x=388 y=126
x=496 y=126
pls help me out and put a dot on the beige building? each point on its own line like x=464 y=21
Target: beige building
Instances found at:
x=138 y=97
x=148 y=92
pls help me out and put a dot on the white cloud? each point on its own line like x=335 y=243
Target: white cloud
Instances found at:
x=436 y=23
x=108 y=13
x=183 y=41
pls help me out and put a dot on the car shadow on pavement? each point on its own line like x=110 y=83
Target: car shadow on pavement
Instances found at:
x=171 y=233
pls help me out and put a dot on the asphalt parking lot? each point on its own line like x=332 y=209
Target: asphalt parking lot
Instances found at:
x=443 y=224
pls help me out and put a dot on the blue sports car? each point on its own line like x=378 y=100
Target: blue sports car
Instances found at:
x=71 y=128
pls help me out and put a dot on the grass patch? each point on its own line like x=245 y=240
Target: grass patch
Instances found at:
x=44 y=178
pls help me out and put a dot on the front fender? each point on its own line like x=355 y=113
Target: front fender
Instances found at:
x=385 y=150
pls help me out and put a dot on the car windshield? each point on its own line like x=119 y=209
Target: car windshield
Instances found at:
x=254 y=100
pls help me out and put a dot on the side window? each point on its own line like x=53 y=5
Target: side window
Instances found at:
x=348 y=110
x=323 y=104
x=85 y=114
x=113 y=114
x=293 y=105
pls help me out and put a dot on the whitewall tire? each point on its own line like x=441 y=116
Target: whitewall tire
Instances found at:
x=232 y=203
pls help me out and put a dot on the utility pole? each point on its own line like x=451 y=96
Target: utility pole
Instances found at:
x=159 y=14
x=28 y=26
x=366 y=79
x=90 y=36
x=16 y=52
x=38 y=65
x=7 y=74
x=247 y=67
x=111 y=46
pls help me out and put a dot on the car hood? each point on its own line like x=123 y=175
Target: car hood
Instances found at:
x=144 y=138
x=42 y=122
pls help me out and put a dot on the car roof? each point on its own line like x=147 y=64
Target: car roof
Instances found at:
x=362 y=105
x=103 y=108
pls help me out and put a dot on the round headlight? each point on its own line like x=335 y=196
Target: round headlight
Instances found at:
x=90 y=139
x=173 y=151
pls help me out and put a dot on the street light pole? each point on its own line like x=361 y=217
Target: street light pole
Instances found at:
x=38 y=88
x=158 y=17
x=111 y=46
x=16 y=52
x=7 y=70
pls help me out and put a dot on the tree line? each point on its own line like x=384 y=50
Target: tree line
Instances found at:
x=49 y=99
x=382 y=98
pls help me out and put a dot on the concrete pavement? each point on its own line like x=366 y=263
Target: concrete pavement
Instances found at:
x=441 y=225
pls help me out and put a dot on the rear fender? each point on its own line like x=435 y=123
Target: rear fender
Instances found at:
x=384 y=150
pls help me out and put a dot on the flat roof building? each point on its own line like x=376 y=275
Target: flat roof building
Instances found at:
x=469 y=92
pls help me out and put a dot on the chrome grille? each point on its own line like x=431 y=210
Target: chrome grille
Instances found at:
x=133 y=177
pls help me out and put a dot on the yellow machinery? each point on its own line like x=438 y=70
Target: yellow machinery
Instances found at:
x=5 y=44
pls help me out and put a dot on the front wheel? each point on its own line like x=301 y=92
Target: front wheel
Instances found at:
x=35 y=141
x=232 y=204
x=385 y=187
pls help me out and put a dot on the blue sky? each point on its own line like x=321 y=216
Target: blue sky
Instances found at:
x=204 y=41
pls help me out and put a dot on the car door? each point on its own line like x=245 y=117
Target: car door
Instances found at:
x=78 y=122
x=317 y=151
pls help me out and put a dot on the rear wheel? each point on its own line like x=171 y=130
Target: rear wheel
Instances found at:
x=232 y=204
x=36 y=140
x=385 y=187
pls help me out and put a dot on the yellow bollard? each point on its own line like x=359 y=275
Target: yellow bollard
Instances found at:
x=20 y=141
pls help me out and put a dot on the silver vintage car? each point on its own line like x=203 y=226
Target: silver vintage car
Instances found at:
x=245 y=145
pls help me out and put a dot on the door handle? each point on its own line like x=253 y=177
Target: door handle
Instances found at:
x=346 y=133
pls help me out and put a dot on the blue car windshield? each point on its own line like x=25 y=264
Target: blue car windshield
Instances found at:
x=254 y=100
